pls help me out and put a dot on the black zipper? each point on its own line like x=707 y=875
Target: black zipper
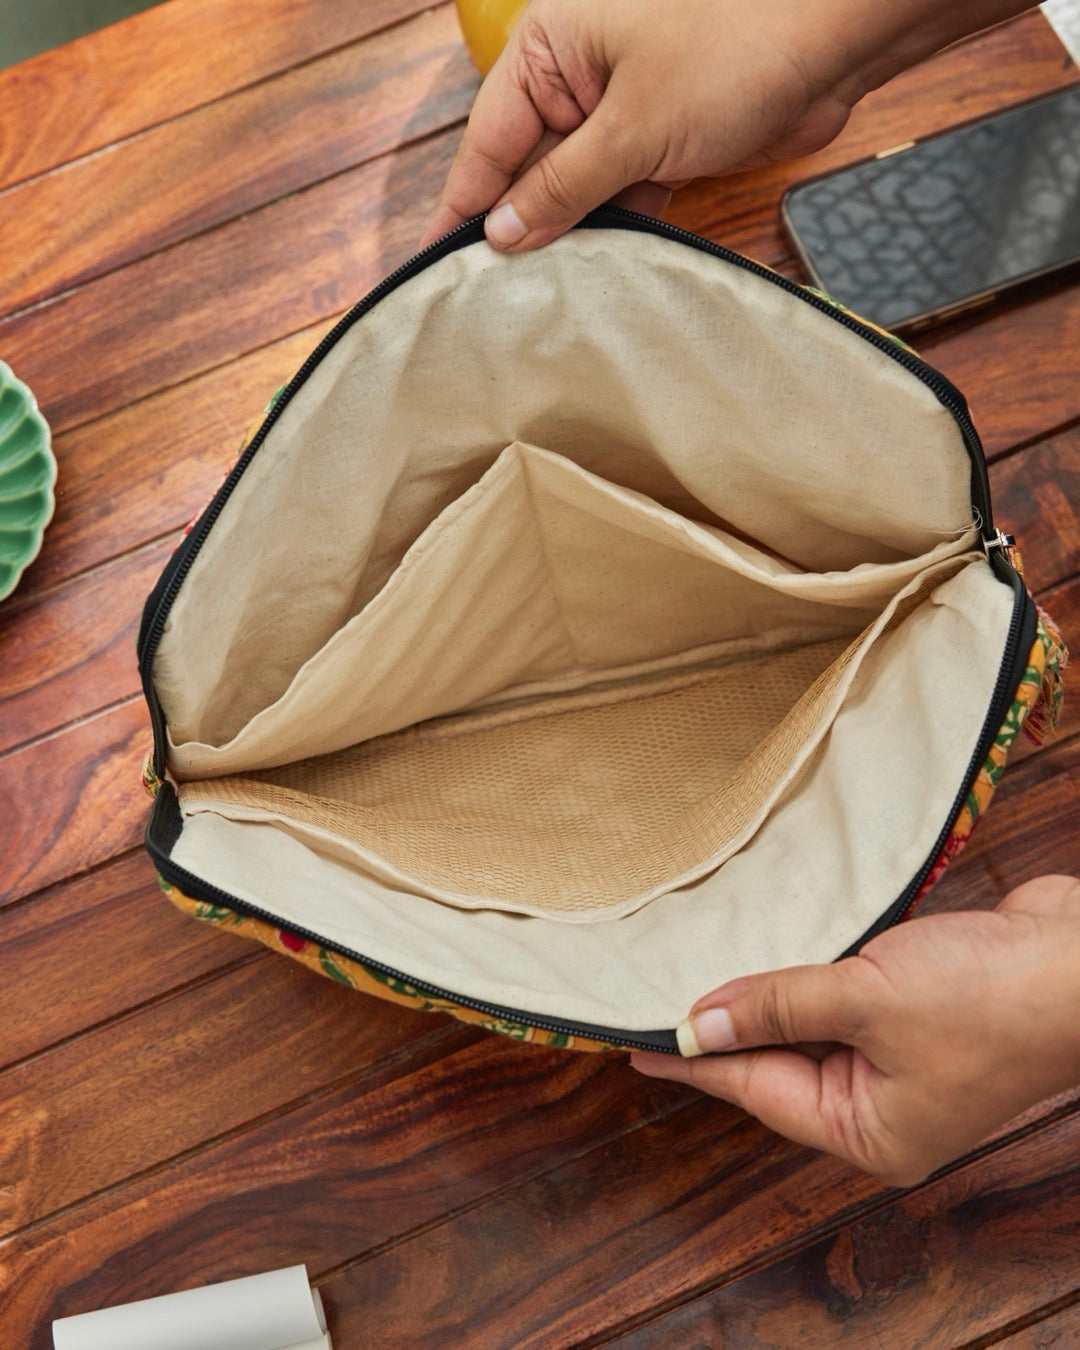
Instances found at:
x=166 y=821
x=166 y=816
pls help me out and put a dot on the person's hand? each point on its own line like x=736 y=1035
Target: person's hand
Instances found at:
x=939 y=1031
x=592 y=101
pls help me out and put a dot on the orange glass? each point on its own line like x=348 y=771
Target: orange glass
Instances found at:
x=486 y=25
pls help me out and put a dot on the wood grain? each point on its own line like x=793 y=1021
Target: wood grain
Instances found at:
x=239 y=153
x=1036 y=497
x=690 y=1200
x=1062 y=603
x=209 y=299
x=91 y=948
x=161 y=63
x=419 y=1137
x=1058 y=1331
x=149 y=468
x=71 y=653
x=184 y=1070
x=937 y=1267
x=1015 y=366
x=73 y=800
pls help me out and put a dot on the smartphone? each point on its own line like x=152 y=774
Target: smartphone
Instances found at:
x=927 y=229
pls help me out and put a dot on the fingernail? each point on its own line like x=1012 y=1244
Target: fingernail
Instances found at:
x=504 y=227
x=712 y=1029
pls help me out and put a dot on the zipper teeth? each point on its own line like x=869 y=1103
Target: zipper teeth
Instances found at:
x=184 y=879
x=947 y=394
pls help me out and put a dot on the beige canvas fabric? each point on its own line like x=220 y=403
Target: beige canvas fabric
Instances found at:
x=832 y=855
x=650 y=364
x=544 y=570
x=586 y=805
x=593 y=626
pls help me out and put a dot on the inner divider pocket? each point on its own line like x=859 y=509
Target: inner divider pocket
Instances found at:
x=542 y=576
x=582 y=807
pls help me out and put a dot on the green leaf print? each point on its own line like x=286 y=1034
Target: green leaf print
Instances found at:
x=332 y=969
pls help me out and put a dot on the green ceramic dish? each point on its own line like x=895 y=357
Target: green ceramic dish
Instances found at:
x=27 y=475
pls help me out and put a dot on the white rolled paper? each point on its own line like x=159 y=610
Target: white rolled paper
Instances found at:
x=277 y=1310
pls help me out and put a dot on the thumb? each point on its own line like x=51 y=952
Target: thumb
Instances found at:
x=782 y=1007
x=585 y=169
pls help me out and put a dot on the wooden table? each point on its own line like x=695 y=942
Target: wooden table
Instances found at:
x=189 y=200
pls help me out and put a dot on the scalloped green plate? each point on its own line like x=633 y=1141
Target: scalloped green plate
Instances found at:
x=27 y=477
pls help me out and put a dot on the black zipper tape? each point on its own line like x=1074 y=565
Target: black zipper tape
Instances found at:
x=164 y=830
x=166 y=822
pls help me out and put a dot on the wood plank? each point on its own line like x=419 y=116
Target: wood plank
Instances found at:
x=572 y=1256
x=73 y=800
x=937 y=1267
x=334 y=1177
x=700 y=1193
x=151 y=67
x=166 y=1285
x=1036 y=496
x=1059 y=1330
x=212 y=298
x=1017 y=60
x=150 y=468
x=72 y=652
x=234 y=155
x=89 y=949
x=1064 y=830
x=186 y=1069
x=1016 y=364
x=687 y=1199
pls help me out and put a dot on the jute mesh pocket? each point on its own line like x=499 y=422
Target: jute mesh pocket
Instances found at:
x=580 y=805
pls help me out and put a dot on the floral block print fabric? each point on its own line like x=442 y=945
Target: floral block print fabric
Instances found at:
x=368 y=979
x=1036 y=708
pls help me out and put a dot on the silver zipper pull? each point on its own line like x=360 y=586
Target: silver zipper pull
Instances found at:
x=1000 y=540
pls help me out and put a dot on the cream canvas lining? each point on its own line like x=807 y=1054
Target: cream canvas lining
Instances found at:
x=475 y=689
